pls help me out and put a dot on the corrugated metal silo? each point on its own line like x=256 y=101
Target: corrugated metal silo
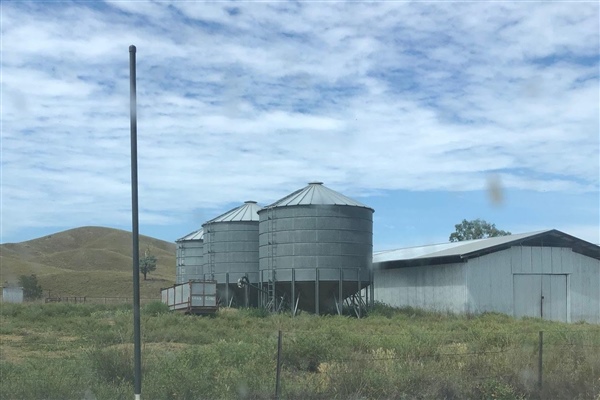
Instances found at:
x=231 y=252
x=190 y=257
x=315 y=250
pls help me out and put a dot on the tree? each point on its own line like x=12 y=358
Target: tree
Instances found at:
x=147 y=263
x=475 y=229
x=31 y=288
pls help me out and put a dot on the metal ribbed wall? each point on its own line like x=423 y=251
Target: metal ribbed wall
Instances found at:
x=305 y=243
x=316 y=236
x=231 y=251
x=190 y=260
x=190 y=257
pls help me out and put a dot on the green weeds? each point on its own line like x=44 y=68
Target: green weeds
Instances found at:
x=76 y=351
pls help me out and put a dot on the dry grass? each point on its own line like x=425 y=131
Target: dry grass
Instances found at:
x=87 y=261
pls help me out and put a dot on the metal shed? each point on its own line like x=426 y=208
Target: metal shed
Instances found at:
x=546 y=274
x=12 y=294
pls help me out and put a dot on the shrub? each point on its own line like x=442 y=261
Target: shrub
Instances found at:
x=155 y=308
x=382 y=310
x=31 y=288
x=113 y=364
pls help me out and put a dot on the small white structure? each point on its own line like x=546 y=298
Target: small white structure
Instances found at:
x=546 y=274
x=12 y=294
x=192 y=297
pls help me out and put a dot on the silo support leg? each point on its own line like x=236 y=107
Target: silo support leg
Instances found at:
x=340 y=292
x=246 y=294
x=317 y=292
x=227 y=290
x=293 y=292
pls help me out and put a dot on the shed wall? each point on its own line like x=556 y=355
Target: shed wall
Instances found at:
x=490 y=283
x=437 y=287
x=490 y=279
x=485 y=283
x=12 y=294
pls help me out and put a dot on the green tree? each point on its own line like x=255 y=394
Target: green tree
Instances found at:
x=147 y=263
x=31 y=288
x=475 y=229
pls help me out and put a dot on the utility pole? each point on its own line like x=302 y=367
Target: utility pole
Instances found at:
x=137 y=352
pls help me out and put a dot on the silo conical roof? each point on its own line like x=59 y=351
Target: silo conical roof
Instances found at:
x=246 y=212
x=196 y=235
x=316 y=194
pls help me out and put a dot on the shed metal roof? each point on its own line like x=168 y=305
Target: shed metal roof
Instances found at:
x=459 y=251
x=246 y=212
x=316 y=194
x=196 y=235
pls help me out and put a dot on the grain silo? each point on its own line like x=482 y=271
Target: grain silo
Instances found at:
x=315 y=250
x=231 y=252
x=190 y=255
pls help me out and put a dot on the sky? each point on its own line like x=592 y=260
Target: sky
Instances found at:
x=429 y=112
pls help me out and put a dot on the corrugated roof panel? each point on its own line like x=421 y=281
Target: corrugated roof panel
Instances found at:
x=246 y=212
x=196 y=235
x=449 y=249
x=316 y=194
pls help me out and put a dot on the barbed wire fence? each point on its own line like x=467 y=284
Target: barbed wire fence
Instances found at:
x=530 y=361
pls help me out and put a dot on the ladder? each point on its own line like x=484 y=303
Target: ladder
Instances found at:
x=272 y=245
x=211 y=254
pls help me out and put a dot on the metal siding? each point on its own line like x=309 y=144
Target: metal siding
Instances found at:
x=567 y=258
x=515 y=262
x=440 y=288
x=556 y=260
x=490 y=284
x=536 y=260
x=230 y=247
x=526 y=265
x=527 y=294
x=316 y=236
x=554 y=290
x=190 y=260
x=546 y=260
x=12 y=294
x=584 y=289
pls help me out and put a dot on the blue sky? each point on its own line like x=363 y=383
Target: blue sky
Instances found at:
x=421 y=110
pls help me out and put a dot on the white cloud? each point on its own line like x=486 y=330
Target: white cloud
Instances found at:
x=246 y=103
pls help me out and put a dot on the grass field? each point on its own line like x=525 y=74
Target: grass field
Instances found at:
x=87 y=261
x=83 y=351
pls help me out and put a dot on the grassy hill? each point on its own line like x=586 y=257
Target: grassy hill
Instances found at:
x=87 y=261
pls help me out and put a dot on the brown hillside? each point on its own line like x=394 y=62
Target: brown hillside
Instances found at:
x=87 y=261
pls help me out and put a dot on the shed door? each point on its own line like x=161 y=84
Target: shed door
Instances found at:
x=540 y=296
x=554 y=303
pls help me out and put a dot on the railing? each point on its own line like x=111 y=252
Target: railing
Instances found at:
x=96 y=300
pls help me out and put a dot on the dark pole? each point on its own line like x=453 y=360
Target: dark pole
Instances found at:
x=137 y=354
x=540 y=365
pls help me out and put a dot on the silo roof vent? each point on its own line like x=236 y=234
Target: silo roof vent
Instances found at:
x=246 y=212
x=316 y=194
x=196 y=235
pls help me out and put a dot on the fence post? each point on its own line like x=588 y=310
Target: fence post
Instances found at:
x=540 y=356
x=278 y=376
